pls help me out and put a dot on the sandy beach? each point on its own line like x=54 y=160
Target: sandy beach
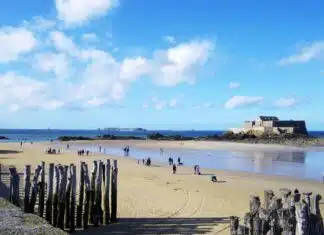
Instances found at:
x=154 y=200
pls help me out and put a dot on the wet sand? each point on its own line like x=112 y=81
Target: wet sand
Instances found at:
x=153 y=200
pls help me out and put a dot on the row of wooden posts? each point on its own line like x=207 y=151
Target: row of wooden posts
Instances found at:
x=61 y=192
x=290 y=214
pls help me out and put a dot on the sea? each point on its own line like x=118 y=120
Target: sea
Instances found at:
x=305 y=163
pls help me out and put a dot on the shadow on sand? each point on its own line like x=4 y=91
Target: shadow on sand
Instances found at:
x=150 y=226
x=2 y=151
x=4 y=190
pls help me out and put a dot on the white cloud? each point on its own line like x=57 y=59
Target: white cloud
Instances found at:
x=53 y=62
x=180 y=63
x=133 y=68
x=14 y=108
x=160 y=105
x=305 y=54
x=239 y=101
x=39 y=23
x=286 y=102
x=172 y=103
x=17 y=90
x=170 y=39
x=98 y=78
x=53 y=104
x=77 y=12
x=234 y=85
x=90 y=37
x=63 y=43
x=145 y=106
x=15 y=42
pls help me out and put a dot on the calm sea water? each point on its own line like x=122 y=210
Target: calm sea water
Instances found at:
x=300 y=164
x=16 y=135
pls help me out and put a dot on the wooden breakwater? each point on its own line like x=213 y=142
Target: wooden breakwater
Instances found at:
x=289 y=214
x=52 y=193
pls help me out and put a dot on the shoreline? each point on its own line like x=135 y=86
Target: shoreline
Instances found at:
x=191 y=144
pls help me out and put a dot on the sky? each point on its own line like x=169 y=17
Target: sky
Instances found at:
x=185 y=64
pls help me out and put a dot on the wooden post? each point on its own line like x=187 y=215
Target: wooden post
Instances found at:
x=73 y=200
x=106 y=200
x=268 y=195
x=87 y=198
x=302 y=217
x=81 y=197
x=93 y=190
x=114 y=193
x=254 y=210
x=34 y=189
x=42 y=192
x=98 y=200
x=234 y=224
x=14 y=182
x=49 y=199
x=63 y=181
x=67 y=198
x=27 y=187
x=55 y=197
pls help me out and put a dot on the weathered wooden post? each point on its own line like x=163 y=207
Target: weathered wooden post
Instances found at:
x=106 y=200
x=63 y=182
x=81 y=197
x=254 y=210
x=73 y=200
x=42 y=191
x=268 y=195
x=93 y=190
x=234 y=224
x=14 y=182
x=98 y=201
x=67 y=198
x=27 y=187
x=87 y=198
x=285 y=194
x=49 y=199
x=55 y=197
x=33 y=197
x=302 y=217
x=114 y=193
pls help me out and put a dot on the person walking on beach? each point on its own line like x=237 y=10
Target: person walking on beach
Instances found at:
x=100 y=148
x=179 y=161
x=174 y=168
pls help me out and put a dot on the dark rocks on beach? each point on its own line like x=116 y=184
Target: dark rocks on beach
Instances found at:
x=249 y=137
x=158 y=136
x=4 y=138
x=114 y=137
x=73 y=138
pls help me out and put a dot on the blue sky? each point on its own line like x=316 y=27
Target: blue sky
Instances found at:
x=186 y=64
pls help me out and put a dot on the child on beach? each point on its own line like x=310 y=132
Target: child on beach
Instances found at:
x=174 y=168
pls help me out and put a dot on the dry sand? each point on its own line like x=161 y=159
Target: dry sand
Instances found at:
x=152 y=200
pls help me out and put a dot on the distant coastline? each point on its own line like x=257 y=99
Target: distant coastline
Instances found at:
x=284 y=139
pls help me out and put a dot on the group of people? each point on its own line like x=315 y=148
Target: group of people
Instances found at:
x=81 y=152
x=53 y=151
x=126 y=151
x=171 y=161
x=146 y=162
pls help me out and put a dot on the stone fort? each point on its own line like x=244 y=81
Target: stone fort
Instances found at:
x=272 y=125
